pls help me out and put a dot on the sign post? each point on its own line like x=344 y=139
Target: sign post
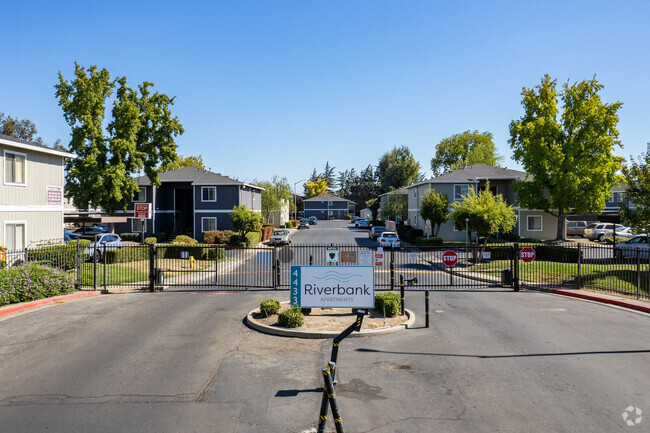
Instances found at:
x=142 y=211
x=427 y=228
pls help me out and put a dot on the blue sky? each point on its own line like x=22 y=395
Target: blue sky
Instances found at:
x=280 y=87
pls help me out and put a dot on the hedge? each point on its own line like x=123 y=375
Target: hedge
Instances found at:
x=184 y=239
x=129 y=254
x=422 y=241
x=221 y=237
x=388 y=302
x=251 y=239
x=198 y=251
x=131 y=237
x=33 y=281
x=57 y=256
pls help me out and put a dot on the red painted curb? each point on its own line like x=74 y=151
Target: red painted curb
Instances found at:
x=604 y=300
x=34 y=304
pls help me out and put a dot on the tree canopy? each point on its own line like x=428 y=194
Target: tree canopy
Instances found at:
x=397 y=168
x=23 y=129
x=185 y=161
x=636 y=214
x=358 y=187
x=314 y=189
x=139 y=137
x=276 y=191
x=570 y=156
x=245 y=220
x=464 y=149
x=435 y=208
x=396 y=206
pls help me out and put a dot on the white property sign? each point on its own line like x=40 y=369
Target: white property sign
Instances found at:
x=333 y=287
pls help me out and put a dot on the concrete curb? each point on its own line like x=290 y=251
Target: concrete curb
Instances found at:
x=603 y=300
x=33 y=304
x=296 y=333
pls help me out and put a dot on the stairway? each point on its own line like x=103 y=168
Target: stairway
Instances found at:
x=179 y=226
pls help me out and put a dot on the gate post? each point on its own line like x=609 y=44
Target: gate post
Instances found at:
x=515 y=279
x=152 y=268
x=392 y=271
x=579 y=278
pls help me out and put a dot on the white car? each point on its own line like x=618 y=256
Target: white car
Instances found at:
x=388 y=240
x=628 y=249
x=280 y=237
x=102 y=243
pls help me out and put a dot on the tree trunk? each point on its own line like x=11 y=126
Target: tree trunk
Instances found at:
x=561 y=223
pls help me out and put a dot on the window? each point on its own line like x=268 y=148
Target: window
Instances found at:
x=208 y=193
x=140 y=195
x=534 y=223
x=14 y=168
x=208 y=224
x=136 y=225
x=460 y=191
x=14 y=235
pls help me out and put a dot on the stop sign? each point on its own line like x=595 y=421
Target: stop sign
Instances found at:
x=449 y=258
x=527 y=254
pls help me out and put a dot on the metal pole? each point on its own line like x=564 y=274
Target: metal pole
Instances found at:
x=322 y=418
x=426 y=307
x=392 y=273
x=638 y=272
x=277 y=270
x=329 y=387
x=152 y=268
x=579 y=278
x=95 y=267
x=311 y=260
x=401 y=291
x=78 y=265
x=516 y=276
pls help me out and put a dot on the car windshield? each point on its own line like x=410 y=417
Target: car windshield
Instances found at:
x=389 y=235
x=280 y=232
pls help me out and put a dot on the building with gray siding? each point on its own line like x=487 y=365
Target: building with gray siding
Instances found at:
x=328 y=206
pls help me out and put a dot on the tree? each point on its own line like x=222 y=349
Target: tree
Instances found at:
x=396 y=206
x=139 y=137
x=435 y=208
x=187 y=161
x=276 y=192
x=464 y=149
x=397 y=168
x=23 y=129
x=488 y=214
x=245 y=220
x=373 y=204
x=314 y=189
x=637 y=178
x=570 y=158
x=328 y=175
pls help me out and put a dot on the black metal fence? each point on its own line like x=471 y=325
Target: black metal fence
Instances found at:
x=574 y=265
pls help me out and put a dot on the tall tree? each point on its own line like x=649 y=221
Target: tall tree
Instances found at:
x=570 y=157
x=637 y=178
x=23 y=129
x=314 y=189
x=328 y=175
x=488 y=214
x=373 y=204
x=139 y=137
x=185 y=161
x=435 y=208
x=397 y=168
x=276 y=192
x=464 y=149
x=396 y=206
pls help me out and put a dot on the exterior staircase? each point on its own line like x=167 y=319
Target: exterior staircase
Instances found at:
x=179 y=226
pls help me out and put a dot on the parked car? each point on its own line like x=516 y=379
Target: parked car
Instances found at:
x=375 y=231
x=313 y=220
x=303 y=224
x=89 y=231
x=69 y=236
x=355 y=218
x=357 y=222
x=279 y=237
x=600 y=230
x=575 y=228
x=628 y=249
x=363 y=224
x=389 y=240
x=103 y=242
x=625 y=233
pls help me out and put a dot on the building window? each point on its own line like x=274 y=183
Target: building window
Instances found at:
x=140 y=196
x=460 y=191
x=136 y=225
x=208 y=193
x=208 y=224
x=14 y=235
x=534 y=223
x=14 y=168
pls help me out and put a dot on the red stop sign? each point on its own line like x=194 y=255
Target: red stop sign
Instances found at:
x=449 y=258
x=527 y=254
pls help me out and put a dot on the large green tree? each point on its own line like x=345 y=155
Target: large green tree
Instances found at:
x=276 y=192
x=488 y=214
x=185 y=161
x=636 y=211
x=23 y=129
x=314 y=189
x=435 y=208
x=397 y=168
x=245 y=220
x=139 y=137
x=359 y=187
x=396 y=206
x=570 y=156
x=464 y=149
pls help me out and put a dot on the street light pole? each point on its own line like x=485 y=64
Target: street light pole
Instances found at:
x=295 y=208
x=467 y=230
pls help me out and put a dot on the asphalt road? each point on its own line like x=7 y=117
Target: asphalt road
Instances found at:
x=185 y=362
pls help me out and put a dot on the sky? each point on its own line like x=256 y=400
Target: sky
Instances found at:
x=267 y=88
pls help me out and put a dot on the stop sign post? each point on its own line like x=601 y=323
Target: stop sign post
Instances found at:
x=449 y=258
x=527 y=254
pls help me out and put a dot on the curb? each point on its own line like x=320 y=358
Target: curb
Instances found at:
x=603 y=300
x=284 y=332
x=34 y=304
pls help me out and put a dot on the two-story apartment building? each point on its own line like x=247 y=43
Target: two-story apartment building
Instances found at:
x=191 y=197
x=31 y=193
x=328 y=206
x=530 y=223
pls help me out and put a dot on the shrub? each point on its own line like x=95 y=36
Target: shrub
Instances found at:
x=184 y=239
x=125 y=255
x=294 y=223
x=220 y=237
x=251 y=239
x=389 y=303
x=266 y=232
x=33 y=281
x=269 y=307
x=291 y=318
x=349 y=217
x=422 y=241
x=198 y=251
x=130 y=237
x=151 y=240
x=56 y=256
x=288 y=225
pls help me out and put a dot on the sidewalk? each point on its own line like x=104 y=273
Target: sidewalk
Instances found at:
x=14 y=308
x=620 y=301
